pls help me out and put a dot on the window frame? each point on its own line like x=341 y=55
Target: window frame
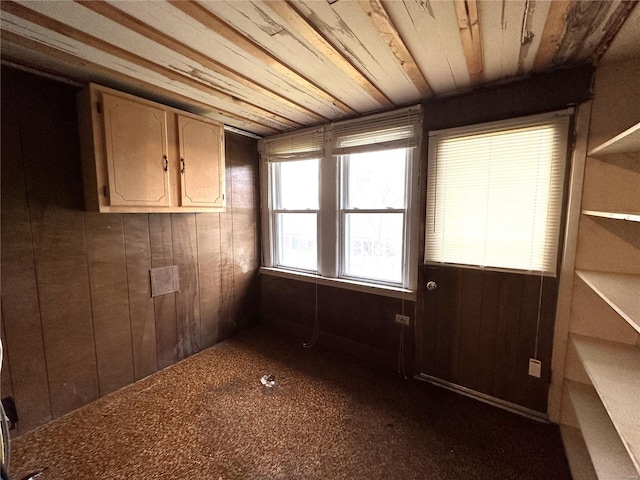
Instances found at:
x=330 y=226
x=506 y=125
x=406 y=220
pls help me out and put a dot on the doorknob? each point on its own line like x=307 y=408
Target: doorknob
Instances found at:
x=431 y=285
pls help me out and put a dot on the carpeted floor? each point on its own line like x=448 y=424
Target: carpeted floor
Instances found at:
x=329 y=417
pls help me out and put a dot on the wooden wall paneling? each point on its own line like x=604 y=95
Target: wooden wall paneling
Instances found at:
x=448 y=324
x=227 y=298
x=21 y=323
x=209 y=279
x=507 y=336
x=109 y=300
x=6 y=384
x=242 y=156
x=141 y=305
x=185 y=255
x=245 y=265
x=360 y=317
x=471 y=307
x=487 y=340
x=165 y=305
x=54 y=190
x=427 y=329
x=530 y=391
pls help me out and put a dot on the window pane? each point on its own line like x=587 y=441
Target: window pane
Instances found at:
x=297 y=240
x=494 y=199
x=375 y=179
x=373 y=246
x=298 y=185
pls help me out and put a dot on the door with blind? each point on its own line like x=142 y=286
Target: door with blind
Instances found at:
x=495 y=196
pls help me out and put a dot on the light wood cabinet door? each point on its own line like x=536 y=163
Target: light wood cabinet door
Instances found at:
x=136 y=147
x=201 y=163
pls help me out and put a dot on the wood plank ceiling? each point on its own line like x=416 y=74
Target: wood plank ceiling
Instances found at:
x=270 y=66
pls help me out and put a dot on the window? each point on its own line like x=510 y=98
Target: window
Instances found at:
x=341 y=199
x=373 y=212
x=494 y=194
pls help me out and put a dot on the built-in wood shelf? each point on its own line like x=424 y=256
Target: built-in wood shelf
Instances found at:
x=608 y=455
x=614 y=371
x=632 y=217
x=621 y=291
x=577 y=454
x=625 y=142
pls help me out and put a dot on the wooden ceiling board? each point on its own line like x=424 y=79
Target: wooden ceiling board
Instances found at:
x=586 y=24
x=534 y=22
x=350 y=30
x=502 y=23
x=430 y=31
x=295 y=21
x=112 y=33
x=255 y=52
x=258 y=23
x=268 y=66
x=49 y=60
x=179 y=25
x=77 y=48
x=109 y=11
x=470 y=32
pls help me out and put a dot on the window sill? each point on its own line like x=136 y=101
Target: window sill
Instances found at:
x=374 y=289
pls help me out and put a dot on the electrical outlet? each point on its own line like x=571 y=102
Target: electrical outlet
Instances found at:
x=402 y=319
x=535 y=367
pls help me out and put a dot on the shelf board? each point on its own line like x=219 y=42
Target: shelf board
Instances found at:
x=632 y=217
x=608 y=455
x=614 y=370
x=577 y=454
x=620 y=291
x=627 y=141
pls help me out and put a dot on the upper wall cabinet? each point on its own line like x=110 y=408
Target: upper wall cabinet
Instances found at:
x=140 y=156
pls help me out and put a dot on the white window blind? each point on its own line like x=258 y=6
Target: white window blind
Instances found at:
x=400 y=129
x=494 y=194
x=304 y=145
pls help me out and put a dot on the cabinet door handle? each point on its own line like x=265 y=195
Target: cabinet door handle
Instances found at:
x=182 y=162
x=166 y=163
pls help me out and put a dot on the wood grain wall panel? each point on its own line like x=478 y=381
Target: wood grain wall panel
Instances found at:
x=65 y=270
x=448 y=323
x=227 y=297
x=141 y=307
x=359 y=323
x=529 y=391
x=470 y=329
x=185 y=256
x=487 y=338
x=277 y=303
x=507 y=333
x=246 y=262
x=242 y=158
x=208 y=238
x=161 y=244
x=24 y=345
x=52 y=170
x=6 y=384
x=109 y=300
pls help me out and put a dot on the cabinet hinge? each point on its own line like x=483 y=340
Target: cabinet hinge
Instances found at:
x=99 y=107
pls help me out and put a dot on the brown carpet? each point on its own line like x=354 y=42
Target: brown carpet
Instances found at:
x=329 y=417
